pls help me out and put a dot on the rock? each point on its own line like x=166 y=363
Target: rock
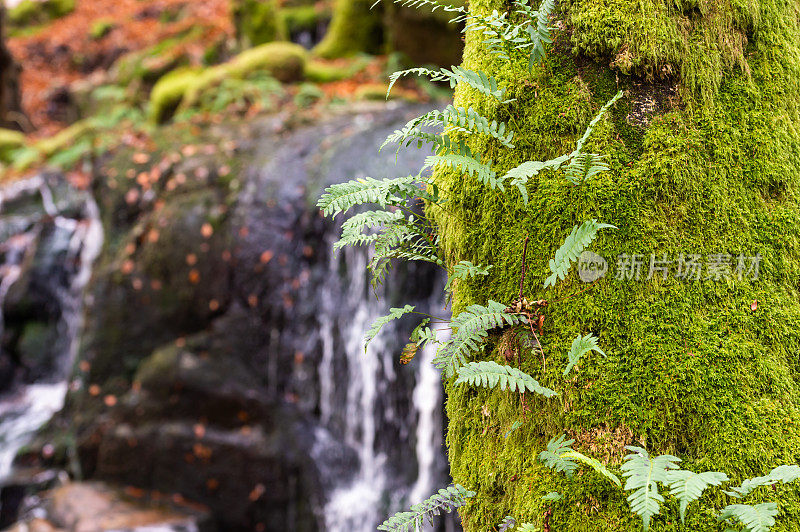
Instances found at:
x=34 y=525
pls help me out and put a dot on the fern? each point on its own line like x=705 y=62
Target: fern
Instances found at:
x=590 y=129
x=520 y=175
x=353 y=229
x=580 y=346
x=541 y=35
x=377 y=325
x=784 y=474
x=514 y=426
x=491 y=375
x=529 y=527
x=446 y=500
x=594 y=464
x=552 y=496
x=585 y=166
x=644 y=474
x=553 y=456
x=433 y=4
x=758 y=518
x=471 y=328
x=687 y=486
x=465 y=270
x=480 y=81
x=580 y=237
x=420 y=336
x=342 y=197
x=469 y=165
x=507 y=524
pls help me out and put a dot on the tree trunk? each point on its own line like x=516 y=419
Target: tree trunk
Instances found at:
x=704 y=152
x=10 y=105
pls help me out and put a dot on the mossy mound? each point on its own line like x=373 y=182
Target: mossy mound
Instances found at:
x=30 y=12
x=704 y=160
x=354 y=28
x=256 y=22
x=169 y=91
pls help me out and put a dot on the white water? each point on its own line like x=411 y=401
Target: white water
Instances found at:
x=363 y=503
x=28 y=407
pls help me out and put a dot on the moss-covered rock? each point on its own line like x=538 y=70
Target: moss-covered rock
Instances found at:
x=30 y=12
x=10 y=140
x=169 y=91
x=709 y=166
x=256 y=21
x=354 y=28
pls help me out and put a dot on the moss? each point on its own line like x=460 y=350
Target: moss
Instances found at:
x=63 y=138
x=256 y=22
x=10 y=140
x=30 y=12
x=354 y=28
x=101 y=28
x=302 y=18
x=320 y=71
x=691 y=369
x=168 y=93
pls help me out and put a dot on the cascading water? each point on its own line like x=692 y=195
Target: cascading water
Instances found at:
x=50 y=243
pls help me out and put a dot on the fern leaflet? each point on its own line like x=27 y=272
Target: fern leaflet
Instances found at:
x=353 y=229
x=553 y=456
x=342 y=197
x=590 y=129
x=594 y=464
x=644 y=474
x=687 y=486
x=394 y=314
x=552 y=496
x=507 y=524
x=585 y=166
x=446 y=500
x=491 y=374
x=471 y=328
x=580 y=237
x=758 y=518
x=580 y=346
x=465 y=270
x=479 y=81
x=784 y=473
x=467 y=164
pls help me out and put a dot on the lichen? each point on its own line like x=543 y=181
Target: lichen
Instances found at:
x=692 y=369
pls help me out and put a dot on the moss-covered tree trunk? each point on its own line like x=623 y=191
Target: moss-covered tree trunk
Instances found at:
x=705 y=160
x=10 y=105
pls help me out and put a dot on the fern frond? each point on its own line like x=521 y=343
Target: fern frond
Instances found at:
x=468 y=165
x=520 y=175
x=433 y=4
x=552 y=496
x=507 y=524
x=446 y=500
x=464 y=270
x=594 y=464
x=590 y=129
x=580 y=346
x=585 y=166
x=420 y=336
x=353 y=229
x=377 y=325
x=529 y=527
x=472 y=121
x=644 y=474
x=783 y=473
x=342 y=197
x=491 y=375
x=687 y=486
x=541 y=35
x=553 y=456
x=471 y=327
x=480 y=81
x=758 y=518
x=580 y=237
x=514 y=426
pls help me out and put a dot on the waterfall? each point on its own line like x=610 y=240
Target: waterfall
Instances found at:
x=62 y=247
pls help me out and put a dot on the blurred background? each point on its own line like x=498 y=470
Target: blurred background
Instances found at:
x=180 y=348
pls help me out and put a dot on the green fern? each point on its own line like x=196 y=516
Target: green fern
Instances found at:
x=491 y=375
x=342 y=197
x=585 y=166
x=446 y=500
x=758 y=518
x=507 y=524
x=480 y=81
x=471 y=328
x=784 y=474
x=553 y=456
x=469 y=165
x=580 y=346
x=552 y=496
x=579 y=238
x=529 y=527
x=644 y=474
x=520 y=175
x=465 y=270
x=377 y=325
x=353 y=229
x=600 y=114
x=433 y=4
x=594 y=464
x=687 y=486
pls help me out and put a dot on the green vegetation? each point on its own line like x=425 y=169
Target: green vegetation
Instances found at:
x=101 y=28
x=169 y=91
x=30 y=12
x=256 y=22
x=354 y=29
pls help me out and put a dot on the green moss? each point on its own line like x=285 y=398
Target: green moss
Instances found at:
x=256 y=21
x=323 y=72
x=30 y=12
x=691 y=369
x=169 y=92
x=354 y=28
x=63 y=138
x=101 y=28
x=10 y=140
x=302 y=18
